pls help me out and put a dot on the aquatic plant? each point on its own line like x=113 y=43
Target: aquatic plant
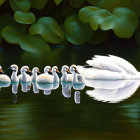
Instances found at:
x=35 y=24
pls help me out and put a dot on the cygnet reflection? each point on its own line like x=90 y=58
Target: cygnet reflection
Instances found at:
x=35 y=89
x=77 y=97
x=6 y=84
x=108 y=91
x=66 y=89
x=47 y=88
x=15 y=88
x=25 y=86
x=78 y=86
x=14 y=98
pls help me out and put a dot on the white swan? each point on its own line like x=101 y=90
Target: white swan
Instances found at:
x=14 y=77
x=66 y=76
x=3 y=77
x=46 y=77
x=108 y=68
x=24 y=77
x=35 y=71
x=77 y=77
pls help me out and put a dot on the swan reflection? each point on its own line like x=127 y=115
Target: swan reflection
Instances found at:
x=77 y=97
x=66 y=89
x=47 y=88
x=25 y=86
x=112 y=91
x=14 y=98
x=6 y=84
x=15 y=88
x=78 y=86
x=35 y=89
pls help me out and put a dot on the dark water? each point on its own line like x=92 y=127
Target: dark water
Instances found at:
x=76 y=114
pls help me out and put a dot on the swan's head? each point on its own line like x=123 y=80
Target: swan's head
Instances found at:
x=55 y=69
x=64 y=69
x=25 y=69
x=73 y=68
x=47 y=69
x=35 y=70
x=1 y=71
x=13 y=67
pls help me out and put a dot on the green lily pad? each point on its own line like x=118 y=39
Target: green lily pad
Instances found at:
x=11 y=35
x=76 y=3
x=112 y=4
x=24 y=17
x=34 y=43
x=2 y=1
x=7 y=20
x=48 y=28
x=122 y=21
x=58 y=1
x=77 y=32
x=38 y=4
x=20 y=5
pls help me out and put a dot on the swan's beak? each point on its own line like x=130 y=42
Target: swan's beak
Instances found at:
x=76 y=71
x=38 y=72
x=1 y=71
x=9 y=68
x=57 y=71
x=68 y=71
x=50 y=72
x=29 y=70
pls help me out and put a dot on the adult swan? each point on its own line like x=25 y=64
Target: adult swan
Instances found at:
x=108 y=68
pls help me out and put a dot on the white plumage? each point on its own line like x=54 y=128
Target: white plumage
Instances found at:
x=108 y=68
x=3 y=77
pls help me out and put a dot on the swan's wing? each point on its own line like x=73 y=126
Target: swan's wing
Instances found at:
x=128 y=67
x=104 y=63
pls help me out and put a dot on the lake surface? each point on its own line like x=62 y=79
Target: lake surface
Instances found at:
x=98 y=110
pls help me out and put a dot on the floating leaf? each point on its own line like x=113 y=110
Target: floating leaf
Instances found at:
x=1 y=2
x=77 y=32
x=11 y=35
x=122 y=21
x=38 y=4
x=20 y=5
x=48 y=28
x=34 y=43
x=24 y=18
x=7 y=20
x=112 y=4
x=58 y=1
x=76 y=3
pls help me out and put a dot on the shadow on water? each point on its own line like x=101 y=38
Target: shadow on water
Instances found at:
x=100 y=110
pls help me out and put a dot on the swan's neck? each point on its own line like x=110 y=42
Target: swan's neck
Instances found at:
x=74 y=77
x=24 y=76
x=34 y=75
x=65 y=76
x=14 y=77
x=55 y=77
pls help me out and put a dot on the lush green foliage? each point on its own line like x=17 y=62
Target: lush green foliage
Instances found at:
x=32 y=24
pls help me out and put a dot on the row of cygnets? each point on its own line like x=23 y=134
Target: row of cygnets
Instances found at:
x=50 y=75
